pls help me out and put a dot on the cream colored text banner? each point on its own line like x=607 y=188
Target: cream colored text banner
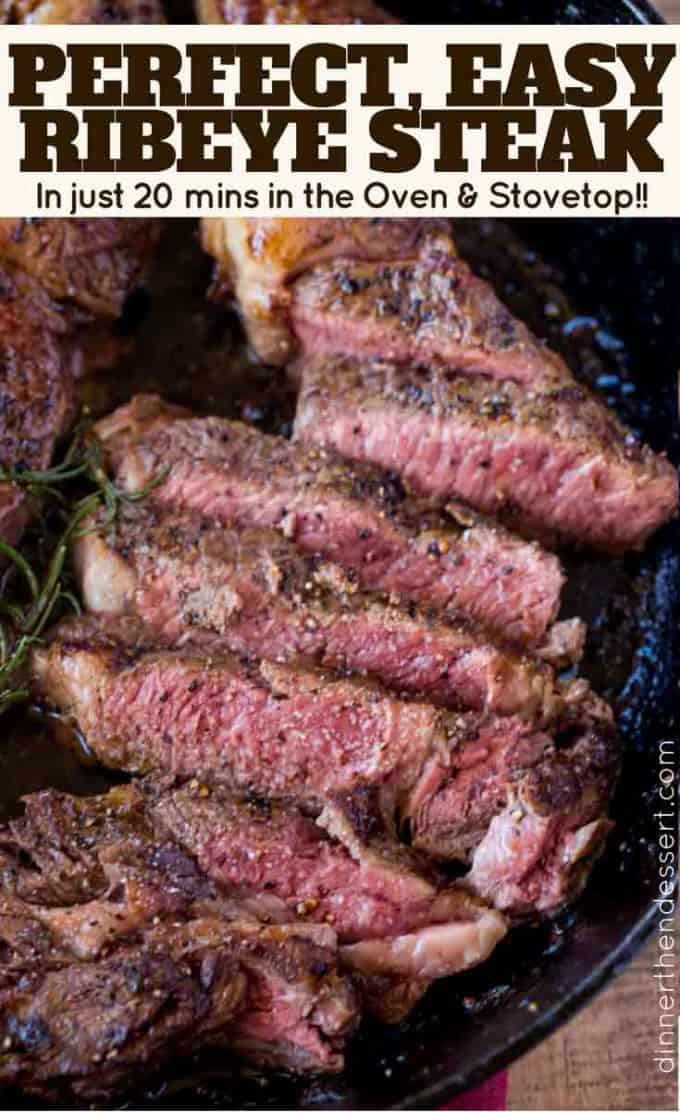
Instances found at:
x=349 y=121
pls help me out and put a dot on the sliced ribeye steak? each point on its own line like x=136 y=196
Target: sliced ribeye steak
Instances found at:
x=356 y=516
x=430 y=310
x=303 y=737
x=273 y=729
x=555 y=463
x=254 y=593
x=395 y=919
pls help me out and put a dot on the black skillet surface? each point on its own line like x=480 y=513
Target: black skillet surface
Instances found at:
x=620 y=330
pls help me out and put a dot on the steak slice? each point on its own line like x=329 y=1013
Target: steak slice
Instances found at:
x=539 y=848
x=259 y=258
x=103 y=869
x=36 y=388
x=270 y=992
x=275 y=730
x=256 y=595
x=299 y=1008
x=356 y=516
x=299 y=737
x=552 y=462
x=392 y=919
x=431 y=310
x=560 y=784
x=91 y=264
x=267 y=994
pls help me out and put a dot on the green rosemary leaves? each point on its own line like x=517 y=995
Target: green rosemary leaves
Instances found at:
x=31 y=596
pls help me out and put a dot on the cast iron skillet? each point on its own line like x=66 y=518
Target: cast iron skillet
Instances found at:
x=621 y=329
x=624 y=276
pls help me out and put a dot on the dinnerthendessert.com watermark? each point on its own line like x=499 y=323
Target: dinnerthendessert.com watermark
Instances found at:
x=665 y=966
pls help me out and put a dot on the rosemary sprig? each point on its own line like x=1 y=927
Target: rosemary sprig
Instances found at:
x=27 y=622
x=48 y=480
x=22 y=564
x=112 y=496
x=22 y=621
x=23 y=476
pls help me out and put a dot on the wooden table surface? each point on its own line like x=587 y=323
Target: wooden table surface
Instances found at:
x=602 y=1059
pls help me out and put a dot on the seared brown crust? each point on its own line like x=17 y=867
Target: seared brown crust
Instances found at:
x=119 y=954
x=552 y=460
x=89 y=1030
x=37 y=373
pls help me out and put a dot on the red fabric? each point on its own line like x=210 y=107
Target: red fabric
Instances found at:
x=489 y=1097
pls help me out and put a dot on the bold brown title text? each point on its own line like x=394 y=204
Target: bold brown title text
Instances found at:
x=265 y=99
